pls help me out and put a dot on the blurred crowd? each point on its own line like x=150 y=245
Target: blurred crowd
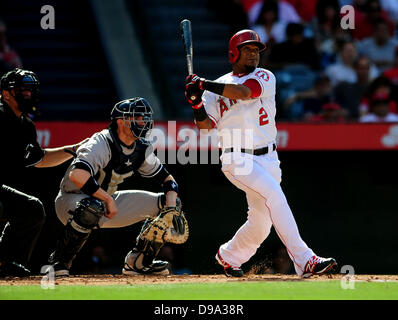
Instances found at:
x=9 y=58
x=326 y=73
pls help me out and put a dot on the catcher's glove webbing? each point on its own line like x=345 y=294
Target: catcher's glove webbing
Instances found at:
x=169 y=226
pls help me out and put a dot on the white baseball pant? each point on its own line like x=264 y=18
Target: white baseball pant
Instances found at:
x=259 y=177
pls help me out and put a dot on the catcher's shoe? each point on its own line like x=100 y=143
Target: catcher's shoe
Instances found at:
x=13 y=269
x=158 y=267
x=230 y=271
x=133 y=265
x=318 y=265
x=58 y=268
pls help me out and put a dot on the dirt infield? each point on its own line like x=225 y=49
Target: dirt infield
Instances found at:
x=103 y=280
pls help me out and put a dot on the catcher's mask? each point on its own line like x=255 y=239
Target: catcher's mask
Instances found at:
x=131 y=109
x=22 y=80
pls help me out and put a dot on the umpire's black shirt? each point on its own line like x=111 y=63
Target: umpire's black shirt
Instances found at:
x=18 y=145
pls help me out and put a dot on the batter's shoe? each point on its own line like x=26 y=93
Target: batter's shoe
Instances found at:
x=58 y=268
x=230 y=271
x=13 y=269
x=133 y=265
x=318 y=265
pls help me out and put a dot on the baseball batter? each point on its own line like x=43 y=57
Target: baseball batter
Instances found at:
x=89 y=195
x=241 y=105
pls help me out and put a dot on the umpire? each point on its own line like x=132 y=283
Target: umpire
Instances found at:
x=22 y=214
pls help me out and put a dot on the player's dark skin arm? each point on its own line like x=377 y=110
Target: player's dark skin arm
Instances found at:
x=231 y=91
x=236 y=91
x=205 y=124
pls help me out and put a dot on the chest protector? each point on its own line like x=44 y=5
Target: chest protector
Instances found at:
x=124 y=162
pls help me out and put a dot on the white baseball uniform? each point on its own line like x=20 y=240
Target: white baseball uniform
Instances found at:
x=251 y=125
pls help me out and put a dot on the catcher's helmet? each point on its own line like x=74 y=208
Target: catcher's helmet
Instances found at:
x=135 y=107
x=22 y=80
x=241 y=38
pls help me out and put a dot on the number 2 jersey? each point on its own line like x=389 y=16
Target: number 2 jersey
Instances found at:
x=248 y=123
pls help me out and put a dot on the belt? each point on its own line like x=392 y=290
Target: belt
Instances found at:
x=256 y=152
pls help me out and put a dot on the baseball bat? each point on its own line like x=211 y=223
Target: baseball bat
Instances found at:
x=186 y=33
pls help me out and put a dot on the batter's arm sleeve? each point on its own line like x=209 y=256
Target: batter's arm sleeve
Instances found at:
x=254 y=86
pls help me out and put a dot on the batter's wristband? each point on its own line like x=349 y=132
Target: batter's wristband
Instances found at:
x=91 y=186
x=197 y=106
x=215 y=87
x=200 y=114
x=201 y=82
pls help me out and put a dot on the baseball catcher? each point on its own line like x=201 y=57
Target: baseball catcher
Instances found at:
x=89 y=195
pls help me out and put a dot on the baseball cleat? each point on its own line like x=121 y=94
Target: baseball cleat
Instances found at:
x=318 y=265
x=58 y=268
x=157 y=267
x=134 y=265
x=230 y=271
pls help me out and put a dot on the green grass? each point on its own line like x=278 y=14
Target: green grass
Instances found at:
x=261 y=290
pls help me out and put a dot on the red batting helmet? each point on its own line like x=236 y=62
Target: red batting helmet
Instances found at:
x=241 y=38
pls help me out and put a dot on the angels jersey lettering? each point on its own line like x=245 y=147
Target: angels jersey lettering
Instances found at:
x=253 y=119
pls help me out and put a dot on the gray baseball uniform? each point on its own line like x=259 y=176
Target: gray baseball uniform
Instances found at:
x=110 y=162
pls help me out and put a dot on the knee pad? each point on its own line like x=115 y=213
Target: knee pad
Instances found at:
x=88 y=213
x=86 y=216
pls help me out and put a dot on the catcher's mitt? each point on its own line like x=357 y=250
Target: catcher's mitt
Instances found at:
x=169 y=226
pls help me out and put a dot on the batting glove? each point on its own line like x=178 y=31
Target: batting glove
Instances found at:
x=194 y=96
x=195 y=81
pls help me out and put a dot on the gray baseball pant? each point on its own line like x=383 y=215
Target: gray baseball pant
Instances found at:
x=133 y=206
